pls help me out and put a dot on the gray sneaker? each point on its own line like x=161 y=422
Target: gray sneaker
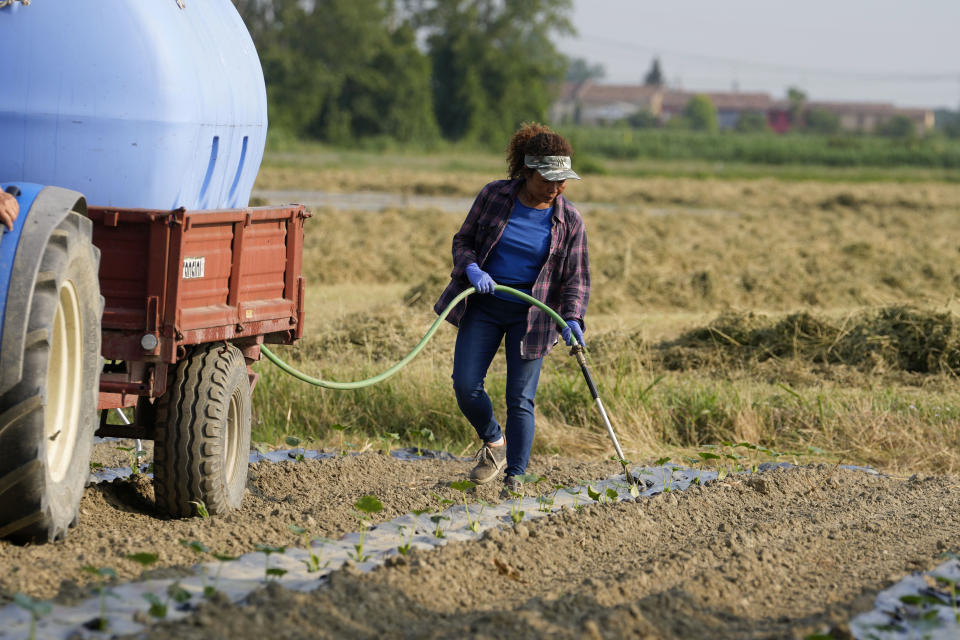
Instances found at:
x=490 y=461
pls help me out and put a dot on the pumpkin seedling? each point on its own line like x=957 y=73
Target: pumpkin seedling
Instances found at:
x=423 y=434
x=313 y=564
x=143 y=558
x=516 y=514
x=388 y=439
x=268 y=571
x=222 y=559
x=135 y=455
x=627 y=475
x=443 y=502
x=261 y=448
x=36 y=608
x=158 y=608
x=294 y=441
x=659 y=463
x=576 y=495
x=95 y=465
x=201 y=508
x=437 y=519
x=544 y=503
x=365 y=506
x=340 y=428
x=100 y=623
x=532 y=479
x=954 y=600
x=404 y=547
x=594 y=495
x=463 y=486
x=199 y=548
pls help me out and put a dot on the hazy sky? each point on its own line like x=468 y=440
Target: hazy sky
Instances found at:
x=901 y=51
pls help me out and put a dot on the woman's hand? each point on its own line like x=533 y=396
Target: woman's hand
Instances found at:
x=479 y=278
x=573 y=329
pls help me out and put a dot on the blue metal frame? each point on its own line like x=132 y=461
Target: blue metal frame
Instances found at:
x=11 y=240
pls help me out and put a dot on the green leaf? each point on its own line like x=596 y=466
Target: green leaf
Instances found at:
x=143 y=558
x=612 y=493
x=462 y=485
x=197 y=546
x=297 y=530
x=530 y=478
x=368 y=504
x=103 y=572
x=158 y=609
x=293 y=441
x=276 y=571
x=37 y=608
x=661 y=461
x=177 y=593
x=223 y=557
x=593 y=494
x=263 y=548
x=920 y=599
x=339 y=427
x=706 y=455
x=438 y=518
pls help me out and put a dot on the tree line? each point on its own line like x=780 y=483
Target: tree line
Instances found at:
x=410 y=70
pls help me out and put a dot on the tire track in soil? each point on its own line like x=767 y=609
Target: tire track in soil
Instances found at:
x=780 y=555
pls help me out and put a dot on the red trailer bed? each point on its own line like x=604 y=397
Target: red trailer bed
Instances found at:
x=171 y=279
x=189 y=297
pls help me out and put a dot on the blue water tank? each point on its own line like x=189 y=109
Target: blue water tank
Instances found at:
x=154 y=104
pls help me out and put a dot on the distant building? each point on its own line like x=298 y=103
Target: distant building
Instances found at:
x=730 y=105
x=590 y=103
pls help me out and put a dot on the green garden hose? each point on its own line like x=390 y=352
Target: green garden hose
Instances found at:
x=359 y=384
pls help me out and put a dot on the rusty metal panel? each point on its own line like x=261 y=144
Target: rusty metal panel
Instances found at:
x=189 y=277
x=127 y=240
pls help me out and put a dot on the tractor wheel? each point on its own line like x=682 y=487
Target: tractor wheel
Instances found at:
x=48 y=418
x=202 y=446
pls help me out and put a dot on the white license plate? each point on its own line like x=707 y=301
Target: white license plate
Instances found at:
x=193 y=267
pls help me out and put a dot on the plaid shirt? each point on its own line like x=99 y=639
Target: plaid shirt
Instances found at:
x=564 y=280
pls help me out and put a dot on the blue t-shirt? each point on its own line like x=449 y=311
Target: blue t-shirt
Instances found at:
x=519 y=255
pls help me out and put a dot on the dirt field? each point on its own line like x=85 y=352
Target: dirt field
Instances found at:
x=783 y=554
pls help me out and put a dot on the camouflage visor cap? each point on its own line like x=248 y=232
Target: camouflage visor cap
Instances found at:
x=552 y=168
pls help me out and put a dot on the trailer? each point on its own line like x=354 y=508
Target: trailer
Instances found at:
x=135 y=276
x=189 y=297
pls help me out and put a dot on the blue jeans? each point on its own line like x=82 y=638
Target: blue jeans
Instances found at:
x=482 y=328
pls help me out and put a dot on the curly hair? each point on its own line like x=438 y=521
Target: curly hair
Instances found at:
x=533 y=139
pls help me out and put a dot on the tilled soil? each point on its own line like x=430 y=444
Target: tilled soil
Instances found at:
x=782 y=554
x=118 y=518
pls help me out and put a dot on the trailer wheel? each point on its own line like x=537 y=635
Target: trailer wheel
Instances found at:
x=202 y=446
x=48 y=418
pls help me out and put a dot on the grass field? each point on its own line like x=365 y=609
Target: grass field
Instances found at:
x=812 y=317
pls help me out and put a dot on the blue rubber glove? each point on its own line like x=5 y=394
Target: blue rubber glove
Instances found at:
x=479 y=278
x=573 y=327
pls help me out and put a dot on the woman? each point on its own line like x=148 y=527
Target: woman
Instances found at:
x=524 y=234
